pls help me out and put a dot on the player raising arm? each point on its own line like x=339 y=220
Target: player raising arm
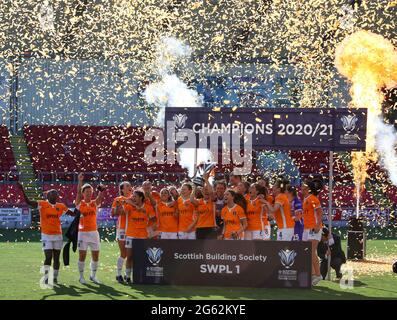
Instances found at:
x=88 y=232
x=174 y=192
x=219 y=199
x=205 y=209
x=243 y=189
x=281 y=211
x=50 y=212
x=187 y=216
x=125 y=191
x=233 y=215
x=151 y=198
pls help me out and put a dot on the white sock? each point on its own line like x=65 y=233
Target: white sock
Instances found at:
x=81 y=265
x=94 y=267
x=56 y=272
x=120 y=262
x=128 y=273
x=46 y=271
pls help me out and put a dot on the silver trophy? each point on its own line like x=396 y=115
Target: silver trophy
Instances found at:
x=201 y=170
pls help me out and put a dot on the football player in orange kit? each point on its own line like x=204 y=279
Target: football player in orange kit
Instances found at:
x=88 y=235
x=186 y=214
x=266 y=184
x=233 y=215
x=50 y=211
x=167 y=216
x=125 y=191
x=138 y=214
x=243 y=189
x=258 y=227
x=281 y=211
x=151 y=198
x=312 y=217
x=205 y=210
x=234 y=180
x=174 y=192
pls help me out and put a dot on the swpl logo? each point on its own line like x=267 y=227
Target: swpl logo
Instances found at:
x=219 y=268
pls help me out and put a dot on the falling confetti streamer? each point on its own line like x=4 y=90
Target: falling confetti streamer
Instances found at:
x=117 y=62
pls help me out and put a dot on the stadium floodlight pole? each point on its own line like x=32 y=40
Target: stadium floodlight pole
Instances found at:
x=16 y=61
x=330 y=178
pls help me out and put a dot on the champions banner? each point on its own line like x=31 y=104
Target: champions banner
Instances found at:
x=273 y=264
x=273 y=128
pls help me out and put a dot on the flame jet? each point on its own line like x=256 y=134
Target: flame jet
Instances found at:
x=369 y=61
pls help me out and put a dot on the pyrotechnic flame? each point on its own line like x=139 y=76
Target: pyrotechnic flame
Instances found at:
x=369 y=61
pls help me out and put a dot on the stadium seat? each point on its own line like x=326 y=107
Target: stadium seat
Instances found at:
x=89 y=149
x=7 y=160
x=67 y=192
x=391 y=192
x=11 y=195
x=345 y=196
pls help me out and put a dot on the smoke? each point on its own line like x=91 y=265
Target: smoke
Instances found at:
x=386 y=141
x=46 y=16
x=369 y=61
x=170 y=91
x=169 y=52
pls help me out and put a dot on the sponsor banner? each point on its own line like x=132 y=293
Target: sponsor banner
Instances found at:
x=276 y=264
x=15 y=217
x=105 y=214
x=273 y=128
x=369 y=214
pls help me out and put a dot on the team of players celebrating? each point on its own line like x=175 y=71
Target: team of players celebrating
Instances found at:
x=240 y=211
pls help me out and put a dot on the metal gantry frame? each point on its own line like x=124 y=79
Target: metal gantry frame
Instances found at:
x=330 y=186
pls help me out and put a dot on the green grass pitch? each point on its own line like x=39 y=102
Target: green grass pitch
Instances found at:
x=20 y=273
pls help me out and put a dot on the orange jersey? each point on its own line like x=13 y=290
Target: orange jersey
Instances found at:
x=270 y=199
x=137 y=220
x=310 y=205
x=247 y=197
x=206 y=214
x=122 y=217
x=167 y=220
x=256 y=215
x=283 y=214
x=50 y=222
x=156 y=198
x=88 y=212
x=186 y=214
x=231 y=218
